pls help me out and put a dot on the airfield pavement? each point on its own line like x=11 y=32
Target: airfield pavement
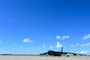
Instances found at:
x=44 y=58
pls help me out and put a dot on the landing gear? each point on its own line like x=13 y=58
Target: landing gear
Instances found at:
x=67 y=55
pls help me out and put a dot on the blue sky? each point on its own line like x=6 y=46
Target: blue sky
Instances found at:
x=36 y=26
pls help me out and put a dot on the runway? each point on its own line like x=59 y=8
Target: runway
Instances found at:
x=44 y=58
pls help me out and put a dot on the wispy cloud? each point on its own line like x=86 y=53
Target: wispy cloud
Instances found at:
x=84 y=52
x=27 y=40
x=43 y=46
x=62 y=37
x=85 y=45
x=80 y=45
x=58 y=37
x=25 y=51
x=71 y=45
x=51 y=47
x=58 y=45
x=86 y=37
x=75 y=45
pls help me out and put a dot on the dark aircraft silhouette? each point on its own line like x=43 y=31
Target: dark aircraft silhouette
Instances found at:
x=57 y=53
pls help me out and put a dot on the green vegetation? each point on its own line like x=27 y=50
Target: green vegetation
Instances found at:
x=20 y=54
x=5 y=54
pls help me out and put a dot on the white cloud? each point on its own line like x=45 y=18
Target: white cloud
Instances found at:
x=51 y=46
x=84 y=52
x=25 y=51
x=80 y=45
x=86 y=37
x=72 y=45
x=58 y=45
x=62 y=37
x=65 y=37
x=43 y=46
x=85 y=45
x=58 y=37
x=27 y=40
x=75 y=45
x=6 y=51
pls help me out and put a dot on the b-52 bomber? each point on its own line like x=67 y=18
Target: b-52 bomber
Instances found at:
x=57 y=53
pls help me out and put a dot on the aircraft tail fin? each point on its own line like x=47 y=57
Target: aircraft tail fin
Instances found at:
x=62 y=49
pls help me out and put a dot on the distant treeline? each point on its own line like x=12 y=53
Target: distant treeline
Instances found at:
x=5 y=54
x=21 y=54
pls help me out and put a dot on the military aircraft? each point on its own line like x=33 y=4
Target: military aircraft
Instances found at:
x=57 y=53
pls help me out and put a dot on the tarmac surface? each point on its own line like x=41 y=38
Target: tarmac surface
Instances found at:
x=44 y=58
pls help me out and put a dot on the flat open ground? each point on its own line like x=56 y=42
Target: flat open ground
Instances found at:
x=44 y=58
